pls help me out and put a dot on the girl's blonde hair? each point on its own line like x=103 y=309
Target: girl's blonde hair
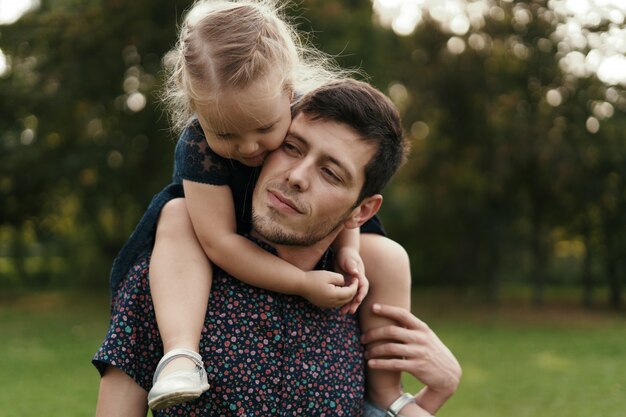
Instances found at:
x=225 y=44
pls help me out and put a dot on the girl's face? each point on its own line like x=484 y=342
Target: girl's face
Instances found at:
x=247 y=124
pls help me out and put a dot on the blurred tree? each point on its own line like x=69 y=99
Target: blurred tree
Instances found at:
x=516 y=156
x=499 y=130
x=483 y=157
x=84 y=145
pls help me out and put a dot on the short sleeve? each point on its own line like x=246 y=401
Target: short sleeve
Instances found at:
x=195 y=161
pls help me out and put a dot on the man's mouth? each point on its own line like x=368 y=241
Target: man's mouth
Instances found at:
x=283 y=203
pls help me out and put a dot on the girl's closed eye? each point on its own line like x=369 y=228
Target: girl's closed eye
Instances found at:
x=267 y=129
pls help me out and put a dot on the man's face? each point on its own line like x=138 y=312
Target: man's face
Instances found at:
x=308 y=186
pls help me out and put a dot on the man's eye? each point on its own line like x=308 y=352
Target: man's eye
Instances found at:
x=330 y=175
x=290 y=147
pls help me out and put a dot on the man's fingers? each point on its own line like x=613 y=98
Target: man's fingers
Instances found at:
x=385 y=333
x=387 y=350
x=388 y=364
x=400 y=315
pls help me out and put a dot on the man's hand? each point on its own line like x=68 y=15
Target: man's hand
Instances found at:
x=328 y=289
x=418 y=351
x=349 y=263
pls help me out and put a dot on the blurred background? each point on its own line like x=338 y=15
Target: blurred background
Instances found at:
x=512 y=205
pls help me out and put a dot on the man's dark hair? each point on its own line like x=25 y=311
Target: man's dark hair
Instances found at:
x=372 y=115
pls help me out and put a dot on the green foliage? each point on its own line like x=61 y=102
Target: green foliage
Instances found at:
x=81 y=154
x=501 y=182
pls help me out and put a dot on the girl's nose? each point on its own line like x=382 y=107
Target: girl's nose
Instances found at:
x=248 y=147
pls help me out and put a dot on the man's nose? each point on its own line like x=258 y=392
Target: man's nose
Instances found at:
x=299 y=175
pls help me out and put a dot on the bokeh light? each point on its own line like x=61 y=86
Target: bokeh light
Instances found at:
x=136 y=102
x=456 y=45
x=12 y=10
x=590 y=34
x=592 y=125
x=4 y=64
x=554 y=98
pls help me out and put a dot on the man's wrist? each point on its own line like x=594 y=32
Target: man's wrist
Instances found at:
x=432 y=400
x=403 y=401
x=399 y=404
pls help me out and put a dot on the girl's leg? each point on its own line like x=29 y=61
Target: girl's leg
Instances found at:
x=180 y=283
x=120 y=396
x=388 y=271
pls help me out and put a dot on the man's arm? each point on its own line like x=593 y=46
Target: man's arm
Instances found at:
x=120 y=396
x=419 y=351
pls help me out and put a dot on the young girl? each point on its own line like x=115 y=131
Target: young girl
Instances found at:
x=233 y=75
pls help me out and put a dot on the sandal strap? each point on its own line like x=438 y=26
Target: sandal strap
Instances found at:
x=177 y=353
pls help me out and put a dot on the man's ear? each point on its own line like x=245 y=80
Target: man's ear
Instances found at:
x=364 y=211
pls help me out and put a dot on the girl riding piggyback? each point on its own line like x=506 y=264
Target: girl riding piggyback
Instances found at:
x=232 y=77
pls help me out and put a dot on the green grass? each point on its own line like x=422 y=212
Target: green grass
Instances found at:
x=46 y=344
x=520 y=361
x=517 y=361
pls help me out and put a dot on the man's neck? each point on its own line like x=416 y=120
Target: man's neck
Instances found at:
x=303 y=257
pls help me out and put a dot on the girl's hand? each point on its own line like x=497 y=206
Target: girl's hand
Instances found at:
x=416 y=349
x=328 y=289
x=349 y=263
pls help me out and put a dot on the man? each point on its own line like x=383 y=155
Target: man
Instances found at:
x=275 y=354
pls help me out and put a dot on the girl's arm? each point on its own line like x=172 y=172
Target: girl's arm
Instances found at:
x=211 y=210
x=349 y=262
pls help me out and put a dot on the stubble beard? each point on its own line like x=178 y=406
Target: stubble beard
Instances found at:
x=270 y=229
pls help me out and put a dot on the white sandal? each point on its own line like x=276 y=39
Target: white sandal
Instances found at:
x=180 y=386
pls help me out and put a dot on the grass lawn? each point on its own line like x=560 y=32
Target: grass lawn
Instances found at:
x=517 y=361
x=45 y=349
x=520 y=361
